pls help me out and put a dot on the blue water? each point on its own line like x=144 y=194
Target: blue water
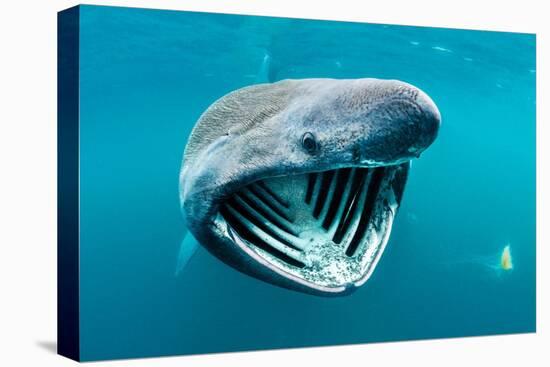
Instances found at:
x=146 y=76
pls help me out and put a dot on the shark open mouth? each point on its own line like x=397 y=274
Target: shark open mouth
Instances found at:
x=324 y=230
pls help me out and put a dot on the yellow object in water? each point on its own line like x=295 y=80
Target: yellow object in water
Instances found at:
x=506 y=259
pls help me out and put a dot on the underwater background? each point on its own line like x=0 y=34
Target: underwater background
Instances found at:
x=145 y=78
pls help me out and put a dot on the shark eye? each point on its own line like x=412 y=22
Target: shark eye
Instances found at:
x=309 y=143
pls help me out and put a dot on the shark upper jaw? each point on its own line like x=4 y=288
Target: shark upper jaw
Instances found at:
x=320 y=231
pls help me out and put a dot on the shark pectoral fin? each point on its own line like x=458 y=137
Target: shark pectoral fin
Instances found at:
x=188 y=248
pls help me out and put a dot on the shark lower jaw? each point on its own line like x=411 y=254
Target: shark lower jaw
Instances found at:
x=324 y=231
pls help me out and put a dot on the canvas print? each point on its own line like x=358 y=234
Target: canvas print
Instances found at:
x=234 y=183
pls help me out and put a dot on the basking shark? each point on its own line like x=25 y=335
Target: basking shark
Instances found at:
x=298 y=182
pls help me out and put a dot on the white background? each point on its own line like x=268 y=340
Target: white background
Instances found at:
x=28 y=183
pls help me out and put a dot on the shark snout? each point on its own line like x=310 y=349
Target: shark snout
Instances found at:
x=422 y=124
x=429 y=121
x=402 y=122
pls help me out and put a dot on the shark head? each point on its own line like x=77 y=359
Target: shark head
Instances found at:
x=298 y=182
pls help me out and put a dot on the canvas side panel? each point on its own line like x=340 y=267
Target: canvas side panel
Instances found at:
x=68 y=333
